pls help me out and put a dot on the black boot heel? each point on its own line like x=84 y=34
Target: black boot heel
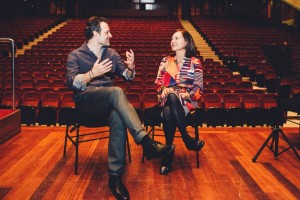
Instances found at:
x=166 y=164
x=194 y=145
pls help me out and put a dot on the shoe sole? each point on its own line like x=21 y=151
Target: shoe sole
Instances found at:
x=197 y=149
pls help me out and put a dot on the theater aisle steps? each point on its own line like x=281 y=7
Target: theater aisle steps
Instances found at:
x=41 y=38
x=201 y=44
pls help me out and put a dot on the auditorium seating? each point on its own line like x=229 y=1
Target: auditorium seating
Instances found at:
x=24 y=29
x=42 y=69
x=238 y=42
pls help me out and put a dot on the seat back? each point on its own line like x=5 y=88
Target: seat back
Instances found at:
x=58 y=83
x=251 y=100
x=222 y=92
x=215 y=85
x=212 y=100
x=232 y=100
x=273 y=114
x=135 y=100
x=253 y=109
x=208 y=78
x=223 y=78
x=26 y=83
x=67 y=109
x=42 y=83
x=51 y=99
x=29 y=106
x=6 y=101
x=246 y=85
x=213 y=109
x=234 y=112
x=295 y=89
x=31 y=99
x=67 y=100
x=231 y=85
x=268 y=101
x=150 y=100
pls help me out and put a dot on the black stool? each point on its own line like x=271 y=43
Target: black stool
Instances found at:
x=82 y=120
x=152 y=118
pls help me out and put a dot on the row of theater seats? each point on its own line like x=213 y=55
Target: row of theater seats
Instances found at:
x=235 y=109
x=231 y=109
x=25 y=29
x=236 y=37
x=239 y=43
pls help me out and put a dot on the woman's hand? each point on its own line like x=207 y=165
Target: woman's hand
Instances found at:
x=185 y=95
x=166 y=91
x=130 y=59
x=101 y=68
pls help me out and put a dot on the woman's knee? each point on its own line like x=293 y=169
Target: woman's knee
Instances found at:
x=172 y=99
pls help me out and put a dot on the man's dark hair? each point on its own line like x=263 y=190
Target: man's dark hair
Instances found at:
x=93 y=24
x=190 y=44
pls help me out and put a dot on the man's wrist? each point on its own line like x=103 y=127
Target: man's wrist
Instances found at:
x=92 y=73
x=131 y=69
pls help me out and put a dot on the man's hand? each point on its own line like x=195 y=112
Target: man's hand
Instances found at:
x=101 y=68
x=130 y=59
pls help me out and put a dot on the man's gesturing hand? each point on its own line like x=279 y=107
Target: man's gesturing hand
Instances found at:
x=101 y=68
x=130 y=59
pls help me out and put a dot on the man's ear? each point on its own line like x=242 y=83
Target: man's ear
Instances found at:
x=95 y=33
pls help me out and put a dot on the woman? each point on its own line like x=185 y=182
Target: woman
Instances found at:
x=179 y=83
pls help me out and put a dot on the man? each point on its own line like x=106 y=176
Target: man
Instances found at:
x=90 y=74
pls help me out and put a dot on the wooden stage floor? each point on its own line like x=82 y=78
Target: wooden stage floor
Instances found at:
x=33 y=167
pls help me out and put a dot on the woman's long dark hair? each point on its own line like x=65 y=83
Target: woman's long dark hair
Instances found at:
x=190 y=44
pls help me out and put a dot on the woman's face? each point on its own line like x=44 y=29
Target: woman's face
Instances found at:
x=178 y=42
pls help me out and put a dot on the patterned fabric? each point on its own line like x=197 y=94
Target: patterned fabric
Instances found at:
x=185 y=78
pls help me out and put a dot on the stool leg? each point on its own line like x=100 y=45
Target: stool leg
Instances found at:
x=77 y=149
x=128 y=148
x=66 y=138
x=197 y=138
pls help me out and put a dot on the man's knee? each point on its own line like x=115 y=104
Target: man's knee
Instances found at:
x=117 y=91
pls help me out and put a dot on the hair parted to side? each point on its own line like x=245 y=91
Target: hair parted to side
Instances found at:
x=93 y=24
x=190 y=44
